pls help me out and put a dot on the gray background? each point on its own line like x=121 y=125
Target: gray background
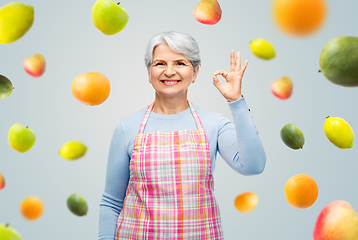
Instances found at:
x=64 y=34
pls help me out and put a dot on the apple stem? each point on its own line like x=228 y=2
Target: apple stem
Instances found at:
x=7 y=224
x=327 y=117
x=118 y=3
x=319 y=70
x=27 y=126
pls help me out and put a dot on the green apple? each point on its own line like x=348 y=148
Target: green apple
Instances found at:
x=109 y=17
x=15 y=20
x=8 y=233
x=21 y=138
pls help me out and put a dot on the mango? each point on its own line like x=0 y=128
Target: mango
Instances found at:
x=339 y=60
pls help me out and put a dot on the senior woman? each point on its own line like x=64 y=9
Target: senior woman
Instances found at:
x=159 y=180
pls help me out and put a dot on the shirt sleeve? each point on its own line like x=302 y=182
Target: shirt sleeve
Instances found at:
x=117 y=177
x=239 y=143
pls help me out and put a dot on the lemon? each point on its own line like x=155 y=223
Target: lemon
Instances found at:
x=263 y=49
x=15 y=20
x=73 y=150
x=339 y=132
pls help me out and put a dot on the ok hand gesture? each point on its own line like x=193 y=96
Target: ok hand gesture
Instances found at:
x=231 y=90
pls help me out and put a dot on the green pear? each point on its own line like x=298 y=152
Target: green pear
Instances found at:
x=15 y=20
x=5 y=87
x=8 y=233
x=109 y=17
x=21 y=138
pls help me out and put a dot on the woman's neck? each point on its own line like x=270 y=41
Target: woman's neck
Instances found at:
x=172 y=105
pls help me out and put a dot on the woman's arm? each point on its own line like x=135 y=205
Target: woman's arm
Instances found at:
x=117 y=177
x=239 y=143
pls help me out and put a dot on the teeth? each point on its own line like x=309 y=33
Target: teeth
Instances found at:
x=170 y=81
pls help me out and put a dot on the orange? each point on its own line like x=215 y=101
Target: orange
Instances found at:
x=246 y=202
x=31 y=208
x=91 y=88
x=301 y=191
x=299 y=17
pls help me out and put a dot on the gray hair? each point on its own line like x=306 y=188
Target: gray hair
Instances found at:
x=178 y=42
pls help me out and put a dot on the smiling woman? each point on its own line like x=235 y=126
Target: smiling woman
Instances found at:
x=159 y=182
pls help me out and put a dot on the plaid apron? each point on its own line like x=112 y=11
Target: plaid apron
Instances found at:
x=170 y=194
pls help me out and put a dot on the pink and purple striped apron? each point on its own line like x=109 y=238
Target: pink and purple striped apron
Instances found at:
x=170 y=194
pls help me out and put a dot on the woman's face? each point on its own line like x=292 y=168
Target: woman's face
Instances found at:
x=170 y=73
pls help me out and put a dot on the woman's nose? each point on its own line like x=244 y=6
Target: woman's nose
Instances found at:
x=169 y=71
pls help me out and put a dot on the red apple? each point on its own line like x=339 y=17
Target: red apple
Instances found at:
x=2 y=181
x=35 y=65
x=282 y=88
x=336 y=221
x=207 y=12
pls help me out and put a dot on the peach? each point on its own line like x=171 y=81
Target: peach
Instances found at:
x=282 y=88
x=35 y=65
x=207 y=12
x=2 y=181
x=336 y=221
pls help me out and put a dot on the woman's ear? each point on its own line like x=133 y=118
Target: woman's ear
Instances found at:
x=148 y=69
x=195 y=73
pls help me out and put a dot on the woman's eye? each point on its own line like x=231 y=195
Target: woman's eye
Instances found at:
x=181 y=64
x=158 y=64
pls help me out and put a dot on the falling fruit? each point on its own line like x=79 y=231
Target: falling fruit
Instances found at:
x=292 y=136
x=15 y=20
x=31 y=208
x=21 y=138
x=91 y=88
x=8 y=233
x=282 y=88
x=263 y=49
x=339 y=132
x=5 y=87
x=301 y=191
x=73 y=150
x=339 y=60
x=35 y=65
x=77 y=205
x=336 y=221
x=2 y=181
x=109 y=16
x=299 y=17
x=207 y=12
x=246 y=202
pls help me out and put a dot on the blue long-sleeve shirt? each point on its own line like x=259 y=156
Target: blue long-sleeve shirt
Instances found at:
x=238 y=144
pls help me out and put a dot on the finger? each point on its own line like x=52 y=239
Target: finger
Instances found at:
x=221 y=72
x=244 y=67
x=238 y=62
x=216 y=81
x=232 y=60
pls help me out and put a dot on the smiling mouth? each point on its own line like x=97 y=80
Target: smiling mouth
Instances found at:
x=170 y=81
